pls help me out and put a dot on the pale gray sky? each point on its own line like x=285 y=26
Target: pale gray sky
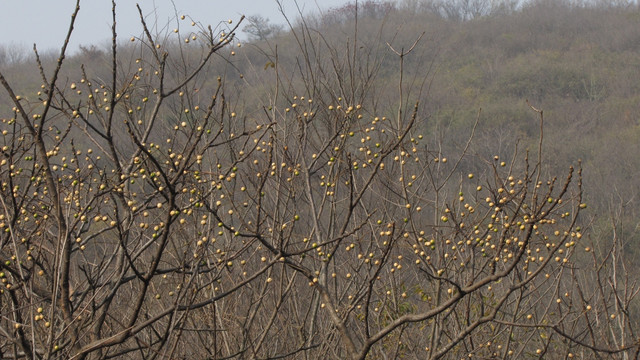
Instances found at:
x=45 y=22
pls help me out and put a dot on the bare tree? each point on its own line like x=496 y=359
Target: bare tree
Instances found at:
x=159 y=212
x=461 y=10
x=260 y=28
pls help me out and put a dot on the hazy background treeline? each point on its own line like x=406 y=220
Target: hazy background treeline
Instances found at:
x=578 y=61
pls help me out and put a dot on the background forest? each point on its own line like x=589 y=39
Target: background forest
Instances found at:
x=577 y=61
x=412 y=179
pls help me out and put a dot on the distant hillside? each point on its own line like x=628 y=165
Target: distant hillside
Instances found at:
x=577 y=62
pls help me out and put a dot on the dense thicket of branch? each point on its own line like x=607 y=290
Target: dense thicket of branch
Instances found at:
x=201 y=198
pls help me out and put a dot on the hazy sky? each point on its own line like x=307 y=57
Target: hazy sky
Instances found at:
x=45 y=22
